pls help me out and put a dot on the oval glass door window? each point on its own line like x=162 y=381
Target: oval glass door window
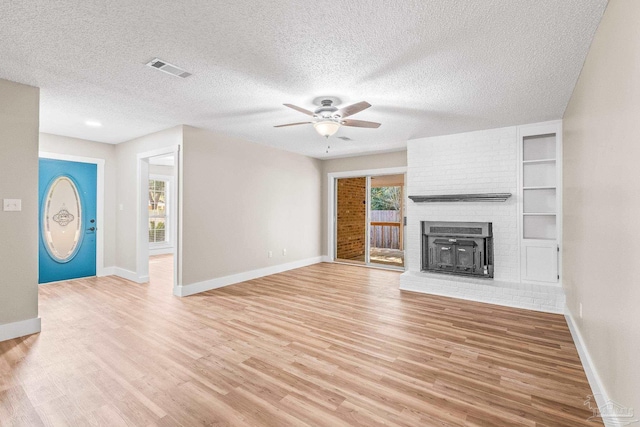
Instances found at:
x=62 y=219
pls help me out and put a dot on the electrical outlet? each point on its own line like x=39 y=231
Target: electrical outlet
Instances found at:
x=284 y=252
x=270 y=254
x=9 y=205
x=580 y=309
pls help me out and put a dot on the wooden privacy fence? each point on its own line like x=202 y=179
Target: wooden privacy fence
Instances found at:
x=386 y=230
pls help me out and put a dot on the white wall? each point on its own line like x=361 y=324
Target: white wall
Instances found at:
x=241 y=200
x=83 y=148
x=19 y=121
x=473 y=162
x=355 y=163
x=127 y=193
x=602 y=202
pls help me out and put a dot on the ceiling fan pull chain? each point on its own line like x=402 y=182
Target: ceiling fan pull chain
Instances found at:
x=328 y=146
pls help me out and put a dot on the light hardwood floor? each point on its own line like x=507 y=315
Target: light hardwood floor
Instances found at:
x=325 y=345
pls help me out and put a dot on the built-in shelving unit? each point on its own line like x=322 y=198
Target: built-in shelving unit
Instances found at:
x=539 y=187
x=540 y=154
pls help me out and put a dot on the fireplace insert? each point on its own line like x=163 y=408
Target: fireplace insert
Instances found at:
x=464 y=248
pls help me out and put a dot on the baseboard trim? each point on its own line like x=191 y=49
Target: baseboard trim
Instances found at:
x=219 y=282
x=106 y=271
x=597 y=387
x=326 y=258
x=19 y=329
x=129 y=275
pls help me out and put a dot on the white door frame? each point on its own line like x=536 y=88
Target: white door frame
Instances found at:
x=331 y=199
x=100 y=269
x=142 y=228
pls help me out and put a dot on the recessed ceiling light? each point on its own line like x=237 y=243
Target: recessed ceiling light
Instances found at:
x=93 y=123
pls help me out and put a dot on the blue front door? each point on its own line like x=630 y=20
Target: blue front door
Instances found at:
x=67 y=200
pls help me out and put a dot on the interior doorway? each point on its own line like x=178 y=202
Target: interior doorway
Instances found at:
x=158 y=217
x=162 y=209
x=369 y=220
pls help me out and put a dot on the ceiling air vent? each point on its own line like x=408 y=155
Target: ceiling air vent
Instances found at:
x=168 y=68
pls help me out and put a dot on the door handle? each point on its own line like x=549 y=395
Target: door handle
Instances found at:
x=91 y=229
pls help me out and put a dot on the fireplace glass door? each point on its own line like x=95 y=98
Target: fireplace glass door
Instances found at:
x=465 y=256
x=444 y=254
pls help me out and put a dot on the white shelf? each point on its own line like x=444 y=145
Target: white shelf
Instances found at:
x=539 y=200
x=541 y=227
x=536 y=174
x=538 y=147
x=539 y=188
x=526 y=162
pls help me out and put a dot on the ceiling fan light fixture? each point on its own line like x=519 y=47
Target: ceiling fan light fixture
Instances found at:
x=326 y=128
x=328 y=119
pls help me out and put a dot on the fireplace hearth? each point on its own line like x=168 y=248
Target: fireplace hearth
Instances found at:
x=460 y=248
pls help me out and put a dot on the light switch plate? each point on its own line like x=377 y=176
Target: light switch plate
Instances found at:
x=9 y=205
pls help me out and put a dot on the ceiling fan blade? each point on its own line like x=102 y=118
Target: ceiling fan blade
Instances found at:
x=352 y=109
x=302 y=110
x=360 y=124
x=292 y=124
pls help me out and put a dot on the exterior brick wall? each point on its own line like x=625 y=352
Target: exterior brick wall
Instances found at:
x=352 y=212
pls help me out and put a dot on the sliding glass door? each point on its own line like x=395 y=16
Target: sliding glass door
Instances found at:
x=386 y=220
x=369 y=212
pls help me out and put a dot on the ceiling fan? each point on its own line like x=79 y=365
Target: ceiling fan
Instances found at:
x=328 y=119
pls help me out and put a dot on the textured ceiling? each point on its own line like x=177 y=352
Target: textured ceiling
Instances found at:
x=427 y=67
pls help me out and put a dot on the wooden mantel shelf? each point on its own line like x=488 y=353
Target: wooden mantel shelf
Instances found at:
x=483 y=197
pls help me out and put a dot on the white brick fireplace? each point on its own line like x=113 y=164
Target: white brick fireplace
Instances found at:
x=471 y=163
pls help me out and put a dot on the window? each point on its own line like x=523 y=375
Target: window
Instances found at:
x=158 y=204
